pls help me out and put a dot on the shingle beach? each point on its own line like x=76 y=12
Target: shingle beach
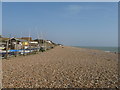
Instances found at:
x=62 y=67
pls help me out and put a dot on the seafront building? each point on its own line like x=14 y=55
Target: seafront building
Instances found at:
x=13 y=46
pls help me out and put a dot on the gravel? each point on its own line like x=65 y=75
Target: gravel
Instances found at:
x=67 y=67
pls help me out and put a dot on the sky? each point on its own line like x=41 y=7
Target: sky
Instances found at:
x=0 y=18
x=68 y=23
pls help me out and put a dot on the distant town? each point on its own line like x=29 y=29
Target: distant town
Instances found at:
x=23 y=46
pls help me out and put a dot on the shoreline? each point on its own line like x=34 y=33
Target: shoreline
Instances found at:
x=97 y=48
x=62 y=67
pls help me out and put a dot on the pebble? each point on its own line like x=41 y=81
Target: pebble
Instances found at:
x=61 y=68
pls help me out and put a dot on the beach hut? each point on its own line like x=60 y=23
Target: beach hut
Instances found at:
x=16 y=43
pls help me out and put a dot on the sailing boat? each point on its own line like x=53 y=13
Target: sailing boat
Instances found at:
x=43 y=47
x=38 y=37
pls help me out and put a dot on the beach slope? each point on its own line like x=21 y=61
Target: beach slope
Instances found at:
x=62 y=67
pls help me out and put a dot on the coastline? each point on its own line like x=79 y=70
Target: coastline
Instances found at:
x=103 y=48
x=62 y=67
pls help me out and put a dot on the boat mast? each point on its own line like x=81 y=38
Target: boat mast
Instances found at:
x=29 y=42
x=38 y=37
x=44 y=43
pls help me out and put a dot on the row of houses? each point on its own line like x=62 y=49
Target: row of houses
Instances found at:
x=23 y=46
x=24 y=43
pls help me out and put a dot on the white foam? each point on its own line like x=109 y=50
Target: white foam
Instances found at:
x=107 y=51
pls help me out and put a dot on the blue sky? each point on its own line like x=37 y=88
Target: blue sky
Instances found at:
x=73 y=24
x=0 y=18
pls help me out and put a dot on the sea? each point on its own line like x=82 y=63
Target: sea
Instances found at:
x=106 y=49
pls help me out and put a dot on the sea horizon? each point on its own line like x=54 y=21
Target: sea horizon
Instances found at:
x=104 y=48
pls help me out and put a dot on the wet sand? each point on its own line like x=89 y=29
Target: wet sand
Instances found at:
x=67 y=67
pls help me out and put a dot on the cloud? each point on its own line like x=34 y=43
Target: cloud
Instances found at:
x=73 y=9
x=79 y=8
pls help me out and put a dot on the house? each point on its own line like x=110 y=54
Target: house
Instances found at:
x=15 y=43
x=40 y=41
x=27 y=38
x=21 y=43
x=3 y=43
x=33 y=44
x=48 y=41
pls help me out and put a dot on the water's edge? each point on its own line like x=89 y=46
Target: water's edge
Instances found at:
x=106 y=49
